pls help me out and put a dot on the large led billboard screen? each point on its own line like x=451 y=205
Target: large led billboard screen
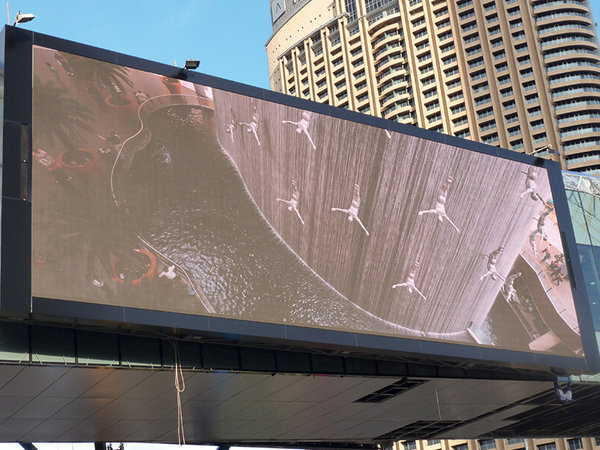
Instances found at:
x=155 y=193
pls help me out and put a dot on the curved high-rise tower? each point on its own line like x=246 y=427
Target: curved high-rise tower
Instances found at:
x=519 y=74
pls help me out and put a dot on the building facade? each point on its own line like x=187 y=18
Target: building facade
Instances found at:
x=501 y=444
x=518 y=74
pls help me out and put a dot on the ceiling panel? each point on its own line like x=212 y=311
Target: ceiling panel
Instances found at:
x=117 y=383
x=268 y=388
x=194 y=409
x=81 y=408
x=153 y=409
x=16 y=429
x=234 y=386
x=50 y=430
x=9 y=405
x=118 y=431
x=153 y=430
x=42 y=407
x=157 y=383
x=32 y=380
x=73 y=382
x=121 y=408
x=199 y=386
x=93 y=404
x=8 y=372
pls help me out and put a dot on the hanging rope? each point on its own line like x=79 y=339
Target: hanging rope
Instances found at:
x=179 y=387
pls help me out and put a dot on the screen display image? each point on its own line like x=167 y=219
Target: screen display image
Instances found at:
x=156 y=193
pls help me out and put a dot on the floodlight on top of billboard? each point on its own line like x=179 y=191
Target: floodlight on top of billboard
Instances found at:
x=159 y=194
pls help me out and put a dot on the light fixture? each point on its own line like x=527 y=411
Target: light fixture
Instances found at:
x=22 y=18
x=546 y=148
x=192 y=64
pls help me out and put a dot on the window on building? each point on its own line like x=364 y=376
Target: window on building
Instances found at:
x=476 y=63
x=467 y=14
x=526 y=72
x=521 y=48
x=372 y=5
x=550 y=446
x=532 y=98
x=444 y=36
x=516 y=23
x=492 y=18
x=478 y=75
x=523 y=60
x=490 y=139
x=489 y=7
x=512 y=132
x=420 y=34
x=428 y=68
x=449 y=60
x=504 y=79
x=453 y=84
x=483 y=100
x=434 y=118
x=444 y=23
x=410 y=445
x=512 y=118
x=430 y=93
x=517 y=145
x=487 y=444
x=491 y=125
x=501 y=67
x=447 y=47
x=424 y=57
x=363 y=97
x=487 y=112
x=494 y=30
x=575 y=444
x=458 y=122
x=351 y=10
x=473 y=50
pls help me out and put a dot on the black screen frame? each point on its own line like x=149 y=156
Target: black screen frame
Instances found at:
x=15 y=289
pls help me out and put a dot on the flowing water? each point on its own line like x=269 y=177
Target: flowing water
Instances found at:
x=187 y=199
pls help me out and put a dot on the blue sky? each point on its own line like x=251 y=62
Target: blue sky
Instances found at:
x=228 y=36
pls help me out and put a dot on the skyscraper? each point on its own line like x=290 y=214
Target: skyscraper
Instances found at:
x=519 y=74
